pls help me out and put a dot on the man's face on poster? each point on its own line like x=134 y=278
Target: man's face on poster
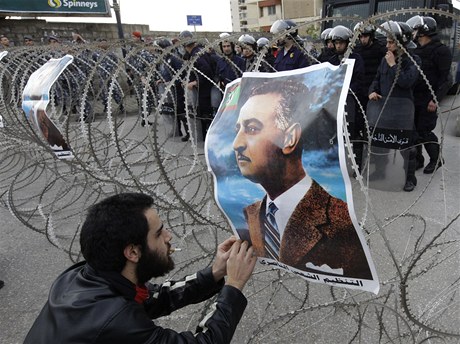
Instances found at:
x=259 y=141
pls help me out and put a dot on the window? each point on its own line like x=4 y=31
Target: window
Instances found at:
x=383 y=6
x=261 y=12
x=271 y=10
x=350 y=10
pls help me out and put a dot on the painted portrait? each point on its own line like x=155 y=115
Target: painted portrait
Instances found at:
x=275 y=154
x=35 y=100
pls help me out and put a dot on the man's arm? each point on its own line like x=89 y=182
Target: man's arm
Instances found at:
x=198 y=287
x=132 y=325
x=217 y=327
x=172 y=295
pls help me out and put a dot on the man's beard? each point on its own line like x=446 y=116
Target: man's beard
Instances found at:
x=151 y=264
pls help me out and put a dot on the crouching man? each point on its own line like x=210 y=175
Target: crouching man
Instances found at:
x=108 y=299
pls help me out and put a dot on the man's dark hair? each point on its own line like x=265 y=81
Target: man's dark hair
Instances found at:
x=110 y=226
x=232 y=44
x=294 y=103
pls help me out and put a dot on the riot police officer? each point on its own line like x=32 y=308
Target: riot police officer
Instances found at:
x=395 y=78
x=173 y=105
x=263 y=47
x=340 y=36
x=328 y=50
x=230 y=66
x=371 y=52
x=249 y=48
x=200 y=82
x=290 y=56
x=436 y=61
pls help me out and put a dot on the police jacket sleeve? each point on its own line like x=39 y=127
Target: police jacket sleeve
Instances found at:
x=357 y=79
x=408 y=73
x=375 y=85
x=444 y=62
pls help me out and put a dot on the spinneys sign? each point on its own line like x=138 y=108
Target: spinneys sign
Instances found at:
x=100 y=8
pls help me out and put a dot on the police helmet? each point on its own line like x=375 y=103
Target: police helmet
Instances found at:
x=224 y=35
x=341 y=33
x=399 y=31
x=282 y=25
x=247 y=40
x=263 y=43
x=365 y=29
x=424 y=25
x=185 y=34
x=187 y=37
x=163 y=43
x=325 y=35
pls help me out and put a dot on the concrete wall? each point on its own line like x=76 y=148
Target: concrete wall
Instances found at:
x=15 y=30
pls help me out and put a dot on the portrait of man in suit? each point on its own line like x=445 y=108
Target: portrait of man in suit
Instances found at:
x=297 y=222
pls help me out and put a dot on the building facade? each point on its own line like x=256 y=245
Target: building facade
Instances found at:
x=258 y=16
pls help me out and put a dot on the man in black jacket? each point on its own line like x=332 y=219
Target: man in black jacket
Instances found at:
x=371 y=51
x=200 y=81
x=436 y=61
x=108 y=298
x=341 y=36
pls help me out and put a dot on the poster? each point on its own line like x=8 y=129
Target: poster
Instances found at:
x=2 y=55
x=277 y=157
x=35 y=99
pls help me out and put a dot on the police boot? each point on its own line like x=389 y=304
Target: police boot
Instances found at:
x=435 y=160
x=411 y=180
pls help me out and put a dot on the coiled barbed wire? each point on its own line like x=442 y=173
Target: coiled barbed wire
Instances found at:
x=99 y=103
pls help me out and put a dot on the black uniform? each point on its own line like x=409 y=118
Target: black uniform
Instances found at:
x=372 y=55
x=355 y=115
x=402 y=87
x=205 y=65
x=326 y=54
x=436 y=61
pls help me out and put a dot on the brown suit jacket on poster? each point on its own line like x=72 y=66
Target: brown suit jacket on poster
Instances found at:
x=319 y=231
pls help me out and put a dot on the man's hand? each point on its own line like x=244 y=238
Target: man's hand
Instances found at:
x=431 y=106
x=390 y=58
x=374 y=96
x=191 y=85
x=219 y=268
x=240 y=264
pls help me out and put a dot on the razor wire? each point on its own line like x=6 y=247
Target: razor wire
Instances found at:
x=100 y=102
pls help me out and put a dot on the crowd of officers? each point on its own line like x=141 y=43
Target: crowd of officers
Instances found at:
x=413 y=61
x=413 y=53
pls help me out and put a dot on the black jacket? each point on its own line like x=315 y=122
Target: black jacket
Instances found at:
x=436 y=62
x=204 y=72
x=357 y=78
x=372 y=55
x=89 y=307
x=404 y=84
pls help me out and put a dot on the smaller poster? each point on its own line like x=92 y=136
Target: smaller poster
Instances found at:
x=35 y=99
x=275 y=149
x=2 y=55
